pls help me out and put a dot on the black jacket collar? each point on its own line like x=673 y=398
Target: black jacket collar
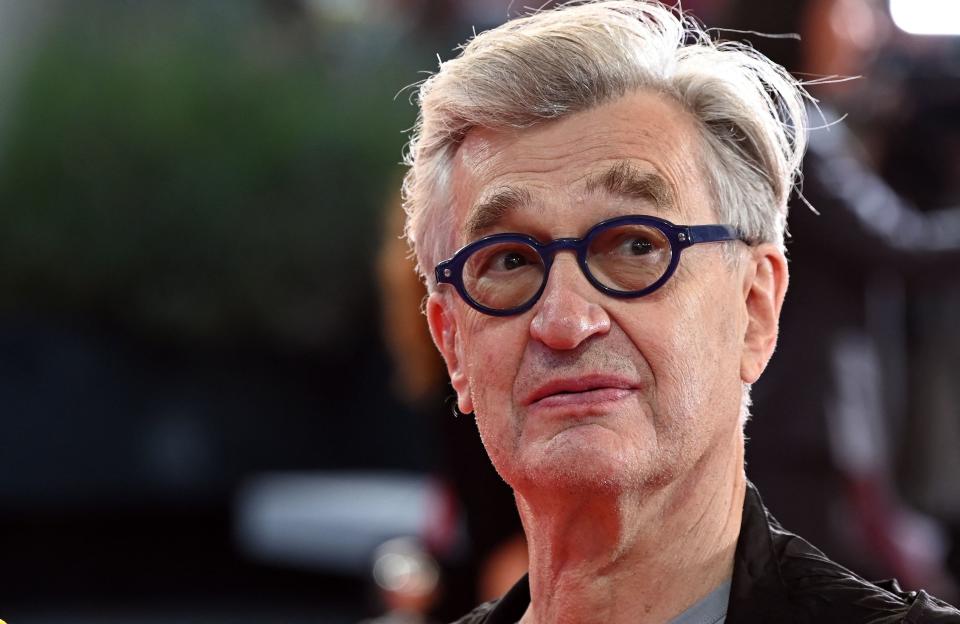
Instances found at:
x=779 y=577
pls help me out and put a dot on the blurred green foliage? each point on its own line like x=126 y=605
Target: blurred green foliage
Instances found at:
x=198 y=174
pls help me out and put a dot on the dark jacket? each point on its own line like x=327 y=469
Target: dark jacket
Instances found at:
x=780 y=578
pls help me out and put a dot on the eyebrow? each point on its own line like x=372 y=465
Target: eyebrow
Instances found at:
x=625 y=180
x=490 y=210
x=622 y=179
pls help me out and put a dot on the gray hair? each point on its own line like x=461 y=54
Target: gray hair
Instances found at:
x=557 y=62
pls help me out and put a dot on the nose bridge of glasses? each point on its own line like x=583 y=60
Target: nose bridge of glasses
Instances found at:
x=549 y=251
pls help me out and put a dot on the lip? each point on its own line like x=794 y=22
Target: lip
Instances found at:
x=586 y=389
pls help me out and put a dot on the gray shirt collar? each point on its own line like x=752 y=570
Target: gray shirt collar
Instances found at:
x=712 y=609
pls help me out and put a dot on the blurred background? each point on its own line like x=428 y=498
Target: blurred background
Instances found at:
x=218 y=400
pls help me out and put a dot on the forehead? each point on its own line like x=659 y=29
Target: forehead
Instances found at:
x=558 y=162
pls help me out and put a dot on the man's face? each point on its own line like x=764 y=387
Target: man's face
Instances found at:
x=585 y=390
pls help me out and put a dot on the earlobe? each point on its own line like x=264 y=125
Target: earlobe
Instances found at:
x=764 y=287
x=443 y=328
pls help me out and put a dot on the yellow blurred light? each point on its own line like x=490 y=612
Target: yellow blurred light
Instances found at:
x=926 y=17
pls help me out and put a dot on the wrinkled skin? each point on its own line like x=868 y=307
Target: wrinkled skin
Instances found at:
x=684 y=350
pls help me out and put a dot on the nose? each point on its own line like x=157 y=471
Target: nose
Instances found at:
x=568 y=313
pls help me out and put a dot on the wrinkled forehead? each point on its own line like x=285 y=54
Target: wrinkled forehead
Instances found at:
x=644 y=148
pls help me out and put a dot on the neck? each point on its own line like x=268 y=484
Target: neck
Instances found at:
x=633 y=556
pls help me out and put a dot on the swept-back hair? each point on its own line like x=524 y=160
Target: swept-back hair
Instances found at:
x=557 y=62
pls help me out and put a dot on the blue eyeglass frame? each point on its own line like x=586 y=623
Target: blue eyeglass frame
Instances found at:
x=680 y=236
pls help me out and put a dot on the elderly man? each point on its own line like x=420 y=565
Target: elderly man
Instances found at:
x=597 y=198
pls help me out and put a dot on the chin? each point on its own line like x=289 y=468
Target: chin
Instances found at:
x=564 y=464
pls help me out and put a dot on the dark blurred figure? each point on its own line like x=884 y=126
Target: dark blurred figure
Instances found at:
x=492 y=555
x=921 y=159
x=823 y=413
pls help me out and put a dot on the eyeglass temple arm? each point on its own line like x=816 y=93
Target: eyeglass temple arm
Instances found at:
x=711 y=233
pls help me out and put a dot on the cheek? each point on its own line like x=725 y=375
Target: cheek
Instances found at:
x=493 y=356
x=674 y=361
x=695 y=352
x=713 y=377
x=493 y=351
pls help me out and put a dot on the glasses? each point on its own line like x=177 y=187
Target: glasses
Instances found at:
x=625 y=257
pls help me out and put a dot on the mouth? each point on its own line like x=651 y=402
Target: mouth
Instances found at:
x=580 y=391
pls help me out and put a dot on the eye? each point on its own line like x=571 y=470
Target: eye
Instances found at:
x=509 y=260
x=641 y=246
x=502 y=258
x=636 y=243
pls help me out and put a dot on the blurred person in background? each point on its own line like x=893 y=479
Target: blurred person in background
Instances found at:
x=824 y=448
x=919 y=154
x=490 y=555
x=610 y=385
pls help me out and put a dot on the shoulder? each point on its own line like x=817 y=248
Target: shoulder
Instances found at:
x=827 y=592
x=479 y=614
x=824 y=591
x=505 y=610
x=781 y=577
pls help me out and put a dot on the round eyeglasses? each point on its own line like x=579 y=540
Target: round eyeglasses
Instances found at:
x=631 y=256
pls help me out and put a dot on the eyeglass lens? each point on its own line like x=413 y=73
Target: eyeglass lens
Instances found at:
x=625 y=258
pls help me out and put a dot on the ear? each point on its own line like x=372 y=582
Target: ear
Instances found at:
x=443 y=328
x=764 y=286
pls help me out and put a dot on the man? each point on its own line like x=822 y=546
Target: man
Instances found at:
x=597 y=198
